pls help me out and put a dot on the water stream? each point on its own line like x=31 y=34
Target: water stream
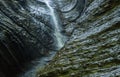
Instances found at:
x=59 y=42
x=57 y=26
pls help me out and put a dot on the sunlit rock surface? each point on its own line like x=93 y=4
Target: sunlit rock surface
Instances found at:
x=93 y=49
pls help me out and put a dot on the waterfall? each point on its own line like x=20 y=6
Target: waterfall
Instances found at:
x=57 y=26
x=59 y=38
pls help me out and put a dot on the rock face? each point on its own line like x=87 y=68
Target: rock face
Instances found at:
x=23 y=34
x=93 y=27
x=27 y=31
x=93 y=49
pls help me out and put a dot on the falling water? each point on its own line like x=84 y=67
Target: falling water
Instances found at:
x=57 y=31
x=60 y=39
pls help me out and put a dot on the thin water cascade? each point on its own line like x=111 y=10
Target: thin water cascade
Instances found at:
x=57 y=31
x=58 y=37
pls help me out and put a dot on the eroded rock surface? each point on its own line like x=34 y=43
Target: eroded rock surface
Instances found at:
x=94 y=46
x=23 y=34
x=27 y=30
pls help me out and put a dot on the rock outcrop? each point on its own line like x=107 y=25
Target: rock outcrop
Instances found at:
x=93 y=49
x=23 y=35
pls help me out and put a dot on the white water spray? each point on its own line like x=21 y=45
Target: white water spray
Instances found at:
x=57 y=33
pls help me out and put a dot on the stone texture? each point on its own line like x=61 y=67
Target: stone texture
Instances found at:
x=94 y=46
x=24 y=35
